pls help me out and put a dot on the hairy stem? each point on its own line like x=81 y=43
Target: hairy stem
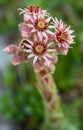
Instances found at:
x=52 y=109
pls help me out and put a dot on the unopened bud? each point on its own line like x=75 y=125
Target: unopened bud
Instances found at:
x=11 y=49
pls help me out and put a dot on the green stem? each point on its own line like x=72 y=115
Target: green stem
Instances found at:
x=53 y=115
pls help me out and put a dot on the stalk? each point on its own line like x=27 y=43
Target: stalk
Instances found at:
x=46 y=86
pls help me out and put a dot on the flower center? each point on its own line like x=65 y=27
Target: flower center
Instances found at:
x=62 y=36
x=41 y=24
x=39 y=48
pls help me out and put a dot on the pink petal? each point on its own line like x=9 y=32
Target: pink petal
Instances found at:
x=25 y=31
x=47 y=61
x=55 y=59
x=27 y=18
x=16 y=60
x=48 y=19
x=63 y=51
x=20 y=57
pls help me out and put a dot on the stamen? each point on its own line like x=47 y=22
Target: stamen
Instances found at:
x=39 y=49
x=41 y=24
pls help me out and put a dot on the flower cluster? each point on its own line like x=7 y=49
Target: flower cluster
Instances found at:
x=43 y=38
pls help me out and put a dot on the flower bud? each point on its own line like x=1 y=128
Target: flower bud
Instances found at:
x=11 y=49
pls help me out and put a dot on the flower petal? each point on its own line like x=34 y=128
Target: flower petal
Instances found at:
x=51 y=50
x=33 y=30
x=35 y=59
x=49 y=32
x=48 y=19
x=31 y=55
x=48 y=55
x=30 y=25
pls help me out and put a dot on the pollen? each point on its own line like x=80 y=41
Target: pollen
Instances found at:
x=39 y=48
x=41 y=24
x=62 y=36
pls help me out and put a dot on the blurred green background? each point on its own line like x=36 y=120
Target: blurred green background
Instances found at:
x=19 y=99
